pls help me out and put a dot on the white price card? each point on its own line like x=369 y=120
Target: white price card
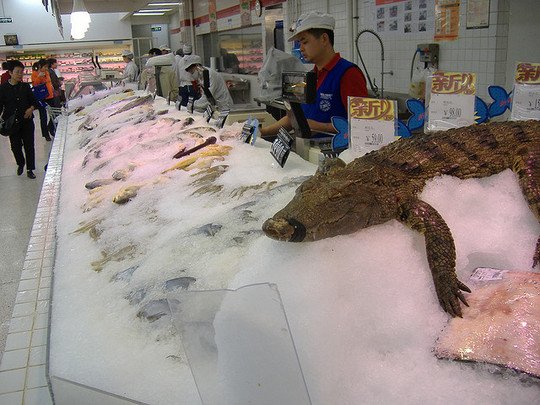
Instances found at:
x=526 y=98
x=372 y=124
x=451 y=99
x=487 y=274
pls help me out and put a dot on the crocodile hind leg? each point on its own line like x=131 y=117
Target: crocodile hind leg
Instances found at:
x=527 y=167
x=441 y=252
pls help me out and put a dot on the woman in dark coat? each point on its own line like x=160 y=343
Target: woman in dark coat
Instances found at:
x=17 y=99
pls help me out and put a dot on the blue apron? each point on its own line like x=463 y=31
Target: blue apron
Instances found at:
x=328 y=103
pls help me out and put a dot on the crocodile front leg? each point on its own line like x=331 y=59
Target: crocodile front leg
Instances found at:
x=441 y=253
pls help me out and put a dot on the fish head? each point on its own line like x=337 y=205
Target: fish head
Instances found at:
x=330 y=203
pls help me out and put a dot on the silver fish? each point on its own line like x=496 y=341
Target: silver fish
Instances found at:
x=98 y=183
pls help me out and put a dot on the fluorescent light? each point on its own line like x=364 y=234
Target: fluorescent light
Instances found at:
x=162 y=4
x=143 y=14
x=156 y=10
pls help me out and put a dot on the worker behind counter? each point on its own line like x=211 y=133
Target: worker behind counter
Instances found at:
x=217 y=86
x=337 y=78
x=131 y=71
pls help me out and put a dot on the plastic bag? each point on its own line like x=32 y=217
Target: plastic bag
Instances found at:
x=417 y=88
x=269 y=76
x=40 y=92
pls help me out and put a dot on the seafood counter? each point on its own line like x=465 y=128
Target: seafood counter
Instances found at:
x=155 y=200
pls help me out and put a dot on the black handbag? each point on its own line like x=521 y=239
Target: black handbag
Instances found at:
x=10 y=125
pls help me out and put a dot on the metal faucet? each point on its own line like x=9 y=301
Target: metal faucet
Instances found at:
x=373 y=86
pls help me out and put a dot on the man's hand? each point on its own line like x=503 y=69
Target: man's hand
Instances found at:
x=29 y=112
x=317 y=126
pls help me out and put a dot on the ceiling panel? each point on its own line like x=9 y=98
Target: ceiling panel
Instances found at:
x=109 y=6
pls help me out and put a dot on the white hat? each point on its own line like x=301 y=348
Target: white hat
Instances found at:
x=164 y=48
x=127 y=53
x=190 y=60
x=313 y=19
x=186 y=49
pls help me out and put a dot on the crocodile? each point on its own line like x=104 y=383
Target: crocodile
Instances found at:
x=384 y=185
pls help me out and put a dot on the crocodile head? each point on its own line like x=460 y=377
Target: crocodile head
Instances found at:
x=332 y=202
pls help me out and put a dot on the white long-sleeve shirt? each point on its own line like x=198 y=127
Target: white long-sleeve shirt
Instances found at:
x=131 y=72
x=167 y=59
x=219 y=90
x=184 y=77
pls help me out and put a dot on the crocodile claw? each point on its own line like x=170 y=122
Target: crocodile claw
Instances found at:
x=449 y=294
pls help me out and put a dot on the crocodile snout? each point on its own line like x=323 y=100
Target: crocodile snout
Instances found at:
x=288 y=230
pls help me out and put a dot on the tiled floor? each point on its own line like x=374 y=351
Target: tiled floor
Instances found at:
x=27 y=252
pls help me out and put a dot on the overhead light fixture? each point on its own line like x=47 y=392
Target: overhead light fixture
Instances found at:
x=80 y=20
x=156 y=10
x=163 y=4
x=146 y=14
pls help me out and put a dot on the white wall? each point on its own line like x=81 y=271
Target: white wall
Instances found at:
x=175 y=32
x=490 y=52
x=160 y=37
x=34 y=25
x=523 y=35
x=482 y=51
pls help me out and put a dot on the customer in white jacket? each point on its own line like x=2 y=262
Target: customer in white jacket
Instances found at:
x=217 y=86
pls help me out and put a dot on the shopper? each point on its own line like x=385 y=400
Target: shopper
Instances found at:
x=154 y=52
x=216 y=86
x=17 y=100
x=131 y=71
x=6 y=75
x=337 y=78
x=56 y=83
x=40 y=76
x=164 y=49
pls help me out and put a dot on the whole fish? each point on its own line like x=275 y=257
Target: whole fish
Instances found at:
x=98 y=183
x=210 y=141
x=210 y=151
x=126 y=193
x=135 y=103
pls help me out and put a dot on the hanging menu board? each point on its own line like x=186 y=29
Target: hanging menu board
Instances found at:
x=446 y=20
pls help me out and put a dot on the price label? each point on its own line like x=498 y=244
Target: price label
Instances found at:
x=220 y=121
x=450 y=100
x=526 y=102
x=527 y=73
x=447 y=111
x=487 y=274
x=208 y=113
x=372 y=124
x=247 y=132
x=281 y=147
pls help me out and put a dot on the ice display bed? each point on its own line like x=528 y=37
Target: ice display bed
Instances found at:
x=361 y=308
